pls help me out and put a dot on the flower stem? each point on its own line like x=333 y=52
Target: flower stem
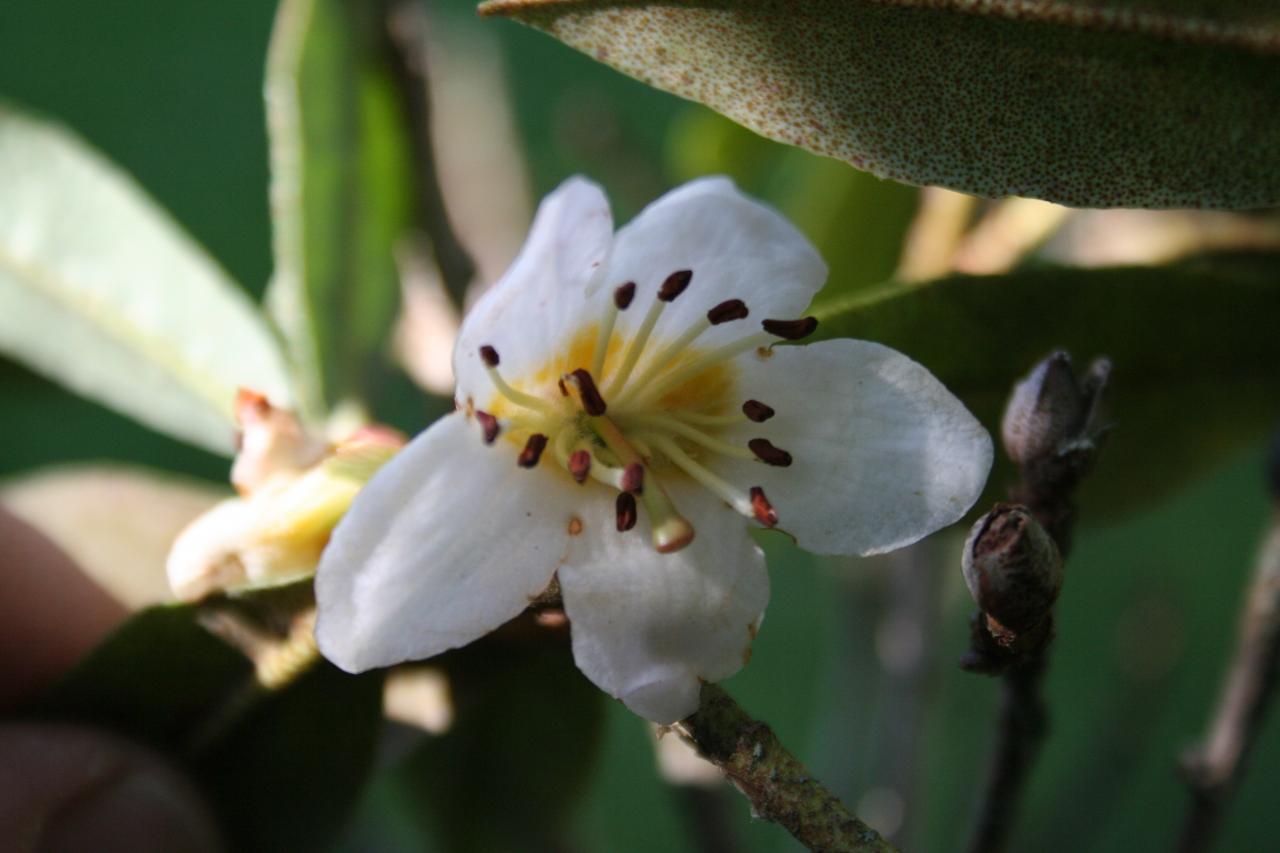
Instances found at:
x=1214 y=768
x=778 y=786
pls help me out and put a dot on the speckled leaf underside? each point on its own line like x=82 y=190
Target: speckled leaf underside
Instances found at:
x=1098 y=103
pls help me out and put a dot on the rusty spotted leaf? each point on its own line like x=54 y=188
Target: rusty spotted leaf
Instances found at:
x=1098 y=103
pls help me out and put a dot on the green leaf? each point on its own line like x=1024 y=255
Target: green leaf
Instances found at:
x=506 y=775
x=1101 y=103
x=340 y=193
x=281 y=768
x=102 y=291
x=1194 y=349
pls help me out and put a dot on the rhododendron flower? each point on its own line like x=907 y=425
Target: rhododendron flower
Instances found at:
x=623 y=418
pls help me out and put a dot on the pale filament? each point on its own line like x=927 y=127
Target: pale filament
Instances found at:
x=636 y=348
x=693 y=434
x=725 y=490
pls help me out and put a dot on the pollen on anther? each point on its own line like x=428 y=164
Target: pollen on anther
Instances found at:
x=730 y=309
x=791 y=330
x=761 y=507
x=623 y=295
x=633 y=478
x=626 y=511
x=580 y=465
x=767 y=453
x=757 y=411
x=592 y=403
x=674 y=285
x=489 y=424
x=532 y=450
x=489 y=356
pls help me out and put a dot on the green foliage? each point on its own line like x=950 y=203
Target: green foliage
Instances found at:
x=507 y=775
x=1149 y=103
x=1194 y=348
x=101 y=291
x=282 y=768
x=341 y=193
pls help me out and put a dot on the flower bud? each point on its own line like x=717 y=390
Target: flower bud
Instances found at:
x=273 y=443
x=276 y=533
x=1012 y=567
x=1051 y=409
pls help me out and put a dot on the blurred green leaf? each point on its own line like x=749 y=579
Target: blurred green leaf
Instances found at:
x=1151 y=103
x=1194 y=348
x=282 y=768
x=102 y=291
x=506 y=776
x=341 y=194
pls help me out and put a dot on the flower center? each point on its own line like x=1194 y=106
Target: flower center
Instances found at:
x=627 y=415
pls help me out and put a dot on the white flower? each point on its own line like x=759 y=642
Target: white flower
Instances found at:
x=623 y=419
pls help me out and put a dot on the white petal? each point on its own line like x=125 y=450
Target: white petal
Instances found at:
x=883 y=453
x=737 y=248
x=649 y=627
x=540 y=302
x=446 y=542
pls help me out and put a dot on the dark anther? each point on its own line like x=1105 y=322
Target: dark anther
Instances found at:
x=757 y=411
x=792 y=330
x=633 y=478
x=674 y=285
x=732 y=309
x=580 y=465
x=623 y=295
x=592 y=403
x=532 y=450
x=489 y=356
x=767 y=453
x=626 y=507
x=762 y=508
x=489 y=424
x=564 y=392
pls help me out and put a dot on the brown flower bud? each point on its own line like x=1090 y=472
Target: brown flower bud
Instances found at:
x=1051 y=409
x=1012 y=567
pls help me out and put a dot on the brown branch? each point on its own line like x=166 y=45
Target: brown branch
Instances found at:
x=1214 y=769
x=778 y=786
x=406 y=37
x=1053 y=433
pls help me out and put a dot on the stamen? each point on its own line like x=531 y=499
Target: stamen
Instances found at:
x=695 y=435
x=676 y=378
x=633 y=478
x=580 y=465
x=626 y=511
x=763 y=510
x=769 y=454
x=623 y=295
x=532 y=450
x=618 y=381
x=674 y=285
x=588 y=395
x=489 y=356
x=757 y=411
x=733 y=309
x=792 y=330
x=489 y=424
x=520 y=398
x=700 y=419
x=731 y=495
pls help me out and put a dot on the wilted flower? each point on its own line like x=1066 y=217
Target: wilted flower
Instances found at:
x=623 y=419
x=294 y=487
